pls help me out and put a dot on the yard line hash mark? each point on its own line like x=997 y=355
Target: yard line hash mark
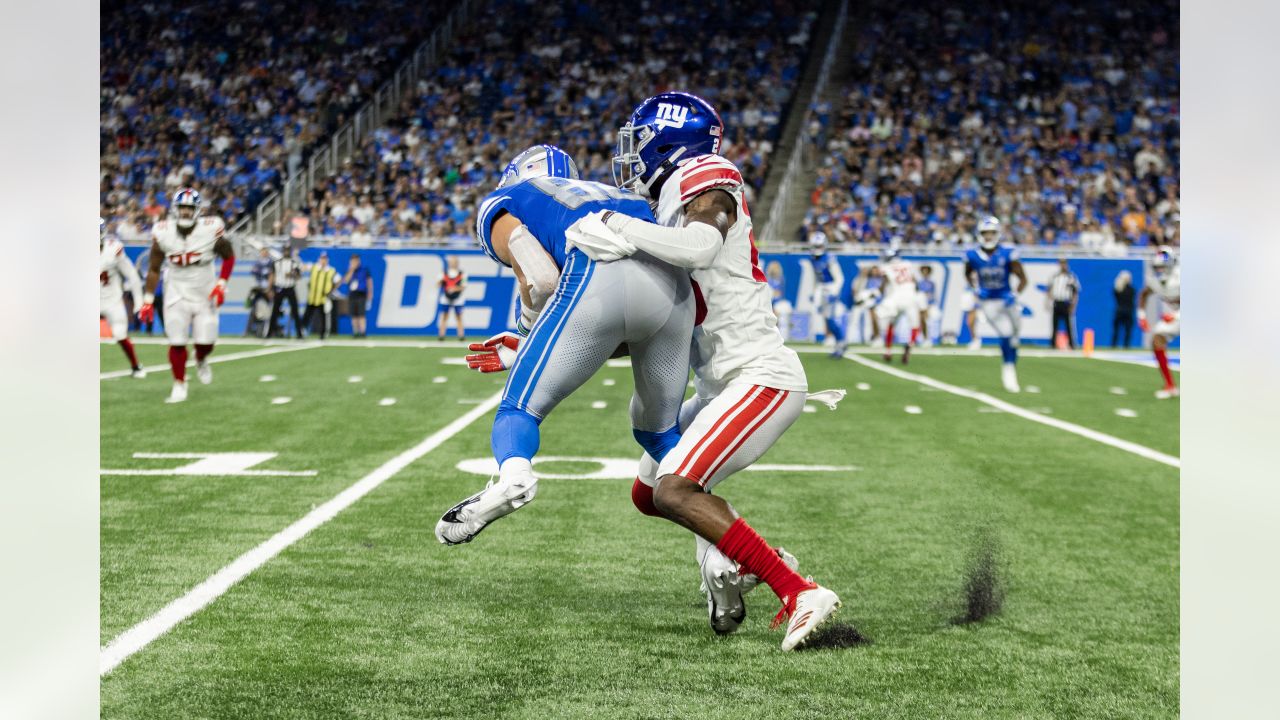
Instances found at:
x=1105 y=439
x=142 y=634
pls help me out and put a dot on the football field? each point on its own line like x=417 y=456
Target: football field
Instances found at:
x=267 y=547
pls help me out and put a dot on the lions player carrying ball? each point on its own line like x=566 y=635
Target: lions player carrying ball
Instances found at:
x=193 y=292
x=749 y=386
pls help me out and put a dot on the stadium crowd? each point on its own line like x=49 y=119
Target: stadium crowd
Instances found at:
x=229 y=96
x=569 y=74
x=1060 y=119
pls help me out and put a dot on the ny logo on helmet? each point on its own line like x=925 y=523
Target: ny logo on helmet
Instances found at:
x=671 y=116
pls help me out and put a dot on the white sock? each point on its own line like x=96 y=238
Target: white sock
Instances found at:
x=515 y=470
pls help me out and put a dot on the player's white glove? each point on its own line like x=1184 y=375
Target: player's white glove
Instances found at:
x=524 y=324
x=590 y=235
x=496 y=354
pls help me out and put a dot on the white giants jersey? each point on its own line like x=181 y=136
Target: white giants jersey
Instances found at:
x=191 y=268
x=899 y=279
x=736 y=335
x=1168 y=286
x=115 y=272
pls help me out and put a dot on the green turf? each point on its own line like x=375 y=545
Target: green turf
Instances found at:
x=578 y=606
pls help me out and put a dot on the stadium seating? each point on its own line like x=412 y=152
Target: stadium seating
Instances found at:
x=525 y=73
x=231 y=100
x=1062 y=120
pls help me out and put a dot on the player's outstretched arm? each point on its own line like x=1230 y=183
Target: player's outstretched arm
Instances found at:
x=708 y=217
x=154 y=262
x=223 y=249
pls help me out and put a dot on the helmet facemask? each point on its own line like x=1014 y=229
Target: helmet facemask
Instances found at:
x=628 y=168
x=186 y=220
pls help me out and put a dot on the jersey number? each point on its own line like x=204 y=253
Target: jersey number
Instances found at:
x=183 y=259
x=573 y=193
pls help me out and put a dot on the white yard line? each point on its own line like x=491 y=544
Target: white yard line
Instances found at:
x=1105 y=439
x=273 y=350
x=140 y=635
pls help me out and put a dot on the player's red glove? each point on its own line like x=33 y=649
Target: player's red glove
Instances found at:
x=147 y=312
x=1167 y=317
x=495 y=354
x=219 y=292
x=1142 y=322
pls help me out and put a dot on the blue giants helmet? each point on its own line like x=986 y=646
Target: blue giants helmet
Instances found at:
x=539 y=161
x=185 y=199
x=661 y=131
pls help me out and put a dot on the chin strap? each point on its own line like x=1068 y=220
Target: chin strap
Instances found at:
x=656 y=179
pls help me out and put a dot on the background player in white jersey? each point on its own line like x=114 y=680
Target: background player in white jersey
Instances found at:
x=114 y=273
x=1166 y=283
x=749 y=386
x=899 y=301
x=193 y=291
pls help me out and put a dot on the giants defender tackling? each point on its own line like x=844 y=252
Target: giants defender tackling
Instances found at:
x=749 y=386
x=1166 y=283
x=193 y=292
x=639 y=303
x=899 y=300
x=114 y=272
x=988 y=268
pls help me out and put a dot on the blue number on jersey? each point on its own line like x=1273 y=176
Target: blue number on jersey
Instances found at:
x=993 y=270
x=549 y=205
x=822 y=267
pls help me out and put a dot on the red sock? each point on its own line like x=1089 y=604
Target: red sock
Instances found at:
x=178 y=361
x=915 y=335
x=741 y=544
x=642 y=497
x=1162 y=358
x=127 y=345
x=202 y=352
x=888 y=339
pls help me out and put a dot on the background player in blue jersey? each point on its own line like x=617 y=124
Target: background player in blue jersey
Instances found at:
x=595 y=309
x=827 y=284
x=989 y=268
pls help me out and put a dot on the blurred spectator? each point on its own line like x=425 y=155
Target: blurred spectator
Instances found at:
x=452 y=284
x=321 y=283
x=359 y=289
x=1126 y=307
x=260 y=293
x=1061 y=119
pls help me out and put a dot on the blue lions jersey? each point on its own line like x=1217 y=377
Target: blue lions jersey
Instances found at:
x=822 y=267
x=993 y=270
x=549 y=205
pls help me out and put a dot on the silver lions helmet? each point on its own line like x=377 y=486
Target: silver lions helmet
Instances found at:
x=539 y=161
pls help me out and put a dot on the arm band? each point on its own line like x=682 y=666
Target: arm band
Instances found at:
x=539 y=269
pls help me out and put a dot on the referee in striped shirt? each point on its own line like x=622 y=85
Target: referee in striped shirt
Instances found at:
x=1064 y=289
x=322 y=282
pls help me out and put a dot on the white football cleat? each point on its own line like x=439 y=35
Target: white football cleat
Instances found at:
x=975 y=344
x=204 y=372
x=138 y=374
x=1009 y=376
x=1169 y=392
x=464 y=521
x=810 y=610
x=178 y=394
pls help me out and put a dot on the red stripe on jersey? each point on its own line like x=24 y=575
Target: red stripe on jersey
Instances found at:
x=689 y=459
x=710 y=178
x=750 y=428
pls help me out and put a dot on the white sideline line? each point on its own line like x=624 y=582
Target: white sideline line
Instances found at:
x=217 y=359
x=140 y=635
x=1105 y=439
